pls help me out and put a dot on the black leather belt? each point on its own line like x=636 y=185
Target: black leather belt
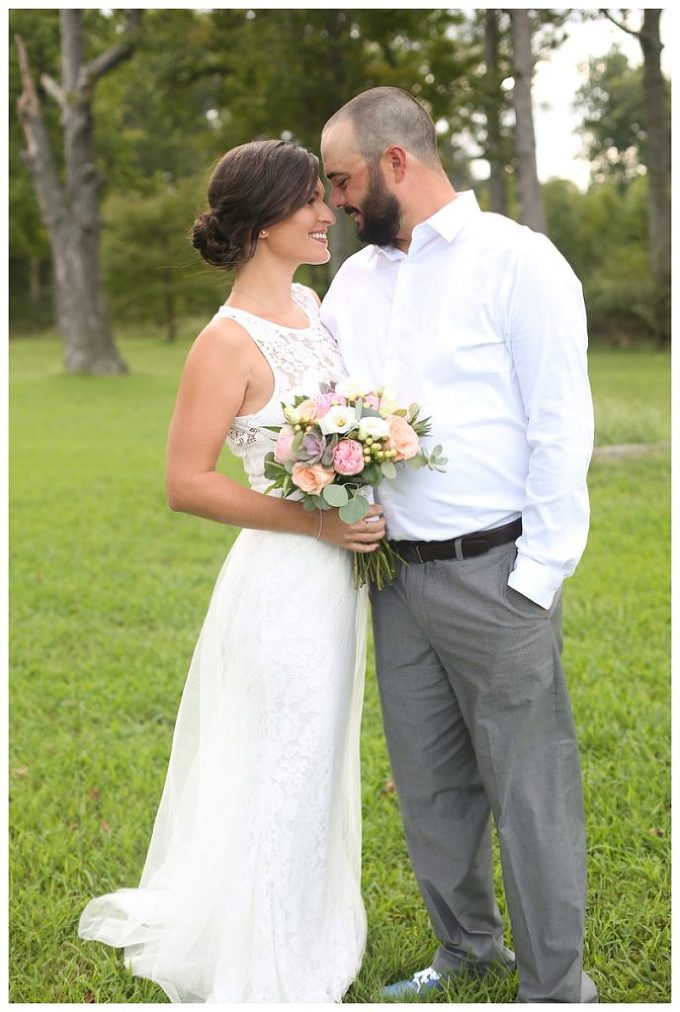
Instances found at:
x=464 y=547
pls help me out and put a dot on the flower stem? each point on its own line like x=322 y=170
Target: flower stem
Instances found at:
x=378 y=568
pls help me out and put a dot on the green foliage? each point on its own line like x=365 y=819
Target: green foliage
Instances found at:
x=611 y=99
x=152 y=272
x=152 y=119
x=603 y=235
x=108 y=593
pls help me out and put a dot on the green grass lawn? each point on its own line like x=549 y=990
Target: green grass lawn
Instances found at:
x=107 y=597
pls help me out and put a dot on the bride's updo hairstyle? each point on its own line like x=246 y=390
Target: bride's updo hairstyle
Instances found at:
x=253 y=186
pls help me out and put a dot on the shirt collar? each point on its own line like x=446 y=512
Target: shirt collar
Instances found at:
x=446 y=222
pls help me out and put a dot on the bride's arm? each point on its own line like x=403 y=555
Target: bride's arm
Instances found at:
x=214 y=384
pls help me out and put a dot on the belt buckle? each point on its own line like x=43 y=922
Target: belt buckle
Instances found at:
x=458 y=548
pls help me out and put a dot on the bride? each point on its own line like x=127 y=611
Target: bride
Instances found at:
x=251 y=887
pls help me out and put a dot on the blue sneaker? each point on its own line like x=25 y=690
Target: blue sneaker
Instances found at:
x=420 y=983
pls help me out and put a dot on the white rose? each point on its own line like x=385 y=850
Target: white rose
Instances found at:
x=338 y=418
x=352 y=388
x=376 y=428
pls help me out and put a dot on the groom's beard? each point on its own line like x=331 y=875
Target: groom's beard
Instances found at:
x=381 y=213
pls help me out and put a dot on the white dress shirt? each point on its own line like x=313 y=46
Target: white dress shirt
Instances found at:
x=482 y=322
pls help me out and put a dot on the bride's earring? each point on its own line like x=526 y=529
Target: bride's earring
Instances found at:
x=263 y=233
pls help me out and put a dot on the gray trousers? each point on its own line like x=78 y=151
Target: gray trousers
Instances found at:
x=478 y=722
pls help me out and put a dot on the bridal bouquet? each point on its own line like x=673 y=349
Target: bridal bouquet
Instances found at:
x=337 y=445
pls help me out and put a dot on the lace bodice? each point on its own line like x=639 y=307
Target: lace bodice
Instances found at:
x=298 y=359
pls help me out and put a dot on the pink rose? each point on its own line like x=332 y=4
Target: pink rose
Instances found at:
x=401 y=438
x=282 y=448
x=348 y=457
x=326 y=401
x=307 y=410
x=312 y=477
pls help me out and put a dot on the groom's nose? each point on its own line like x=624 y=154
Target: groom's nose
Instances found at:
x=337 y=197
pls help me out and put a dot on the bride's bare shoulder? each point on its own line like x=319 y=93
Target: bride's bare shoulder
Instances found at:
x=222 y=340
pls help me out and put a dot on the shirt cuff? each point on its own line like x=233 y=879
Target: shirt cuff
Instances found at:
x=535 y=581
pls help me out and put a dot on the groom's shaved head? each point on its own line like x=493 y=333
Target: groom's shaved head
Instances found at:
x=385 y=116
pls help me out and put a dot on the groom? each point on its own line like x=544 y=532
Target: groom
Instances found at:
x=482 y=322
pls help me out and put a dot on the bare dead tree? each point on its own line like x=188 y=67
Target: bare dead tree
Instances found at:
x=70 y=210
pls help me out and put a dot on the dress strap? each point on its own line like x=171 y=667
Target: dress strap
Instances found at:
x=304 y=298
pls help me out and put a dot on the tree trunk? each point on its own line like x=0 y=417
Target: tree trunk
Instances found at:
x=658 y=171
x=494 y=142
x=70 y=212
x=531 y=210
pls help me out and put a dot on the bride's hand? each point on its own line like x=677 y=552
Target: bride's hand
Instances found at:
x=363 y=536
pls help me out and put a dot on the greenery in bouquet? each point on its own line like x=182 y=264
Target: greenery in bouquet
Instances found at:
x=337 y=445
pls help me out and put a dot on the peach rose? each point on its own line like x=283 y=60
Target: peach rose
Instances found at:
x=401 y=438
x=307 y=410
x=312 y=477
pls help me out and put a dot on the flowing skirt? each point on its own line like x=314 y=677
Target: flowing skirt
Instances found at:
x=251 y=887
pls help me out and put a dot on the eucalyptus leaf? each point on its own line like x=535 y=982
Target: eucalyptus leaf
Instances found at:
x=388 y=469
x=371 y=474
x=272 y=469
x=354 y=510
x=335 y=495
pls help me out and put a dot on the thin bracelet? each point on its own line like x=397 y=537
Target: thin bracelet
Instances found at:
x=320 y=524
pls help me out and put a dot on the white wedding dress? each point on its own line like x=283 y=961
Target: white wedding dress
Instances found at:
x=251 y=887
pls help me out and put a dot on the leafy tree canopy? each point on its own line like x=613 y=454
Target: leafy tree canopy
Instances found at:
x=611 y=100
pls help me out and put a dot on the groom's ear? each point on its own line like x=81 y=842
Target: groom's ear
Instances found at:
x=396 y=160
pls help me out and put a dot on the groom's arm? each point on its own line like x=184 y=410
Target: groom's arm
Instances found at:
x=547 y=336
